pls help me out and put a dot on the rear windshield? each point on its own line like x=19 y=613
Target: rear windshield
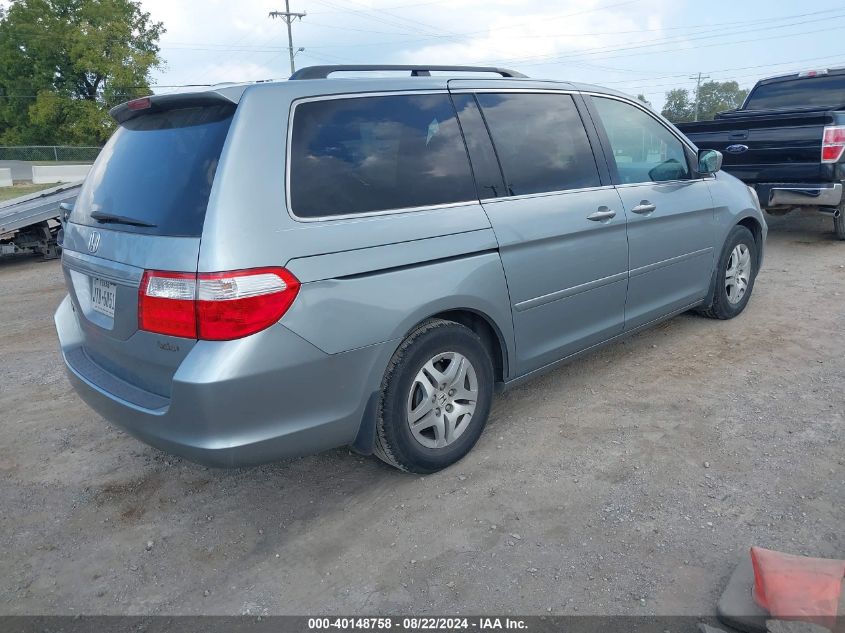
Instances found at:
x=154 y=176
x=799 y=93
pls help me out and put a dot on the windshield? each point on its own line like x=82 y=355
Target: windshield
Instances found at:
x=154 y=176
x=828 y=90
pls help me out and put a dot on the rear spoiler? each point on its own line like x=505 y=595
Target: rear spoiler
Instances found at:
x=160 y=103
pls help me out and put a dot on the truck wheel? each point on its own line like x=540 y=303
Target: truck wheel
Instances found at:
x=736 y=271
x=839 y=223
x=436 y=396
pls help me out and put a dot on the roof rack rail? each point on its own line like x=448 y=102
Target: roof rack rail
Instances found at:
x=322 y=72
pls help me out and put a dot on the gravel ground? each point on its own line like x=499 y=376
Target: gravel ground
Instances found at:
x=629 y=482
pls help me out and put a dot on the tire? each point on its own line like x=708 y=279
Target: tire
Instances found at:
x=839 y=223
x=723 y=305
x=434 y=350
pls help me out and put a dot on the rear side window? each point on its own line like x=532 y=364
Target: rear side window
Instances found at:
x=644 y=150
x=154 y=176
x=541 y=142
x=366 y=154
x=798 y=93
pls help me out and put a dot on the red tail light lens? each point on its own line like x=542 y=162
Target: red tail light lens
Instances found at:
x=235 y=304
x=214 y=306
x=833 y=145
x=166 y=303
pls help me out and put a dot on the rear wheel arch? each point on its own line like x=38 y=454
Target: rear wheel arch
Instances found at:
x=486 y=329
x=408 y=388
x=481 y=324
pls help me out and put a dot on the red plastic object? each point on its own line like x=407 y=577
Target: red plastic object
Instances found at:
x=796 y=587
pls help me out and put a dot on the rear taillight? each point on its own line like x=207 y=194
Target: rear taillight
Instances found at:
x=833 y=143
x=166 y=303
x=214 y=306
x=235 y=304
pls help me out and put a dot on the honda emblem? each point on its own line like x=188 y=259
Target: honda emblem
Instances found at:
x=94 y=242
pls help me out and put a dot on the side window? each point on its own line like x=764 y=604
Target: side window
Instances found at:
x=485 y=167
x=541 y=142
x=643 y=149
x=364 y=154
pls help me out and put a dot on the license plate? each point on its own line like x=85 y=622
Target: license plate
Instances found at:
x=103 y=296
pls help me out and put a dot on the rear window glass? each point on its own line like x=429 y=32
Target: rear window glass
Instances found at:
x=365 y=154
x=798 y=93
x=485 y=166
x=154 y=175
x=541 y=142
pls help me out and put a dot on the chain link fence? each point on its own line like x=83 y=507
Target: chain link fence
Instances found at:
x=50 y=153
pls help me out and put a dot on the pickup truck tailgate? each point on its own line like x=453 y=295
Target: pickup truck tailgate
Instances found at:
x=766 y=146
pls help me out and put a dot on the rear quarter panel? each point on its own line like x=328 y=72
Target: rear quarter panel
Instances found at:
x=347 y=312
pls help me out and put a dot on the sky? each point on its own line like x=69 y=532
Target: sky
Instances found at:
x=638 y=46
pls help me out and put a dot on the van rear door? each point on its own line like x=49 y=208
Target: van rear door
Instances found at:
x=142 y=208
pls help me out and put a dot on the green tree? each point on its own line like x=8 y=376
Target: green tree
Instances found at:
x=642 y=98
x=718 y=96
x=714 y=97
x=678 y=108
x=64 y=63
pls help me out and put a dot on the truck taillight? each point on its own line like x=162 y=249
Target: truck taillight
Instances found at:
x=833 y=143
x=214 y=306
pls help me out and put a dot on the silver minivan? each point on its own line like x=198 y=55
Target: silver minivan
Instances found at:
x=273 y=269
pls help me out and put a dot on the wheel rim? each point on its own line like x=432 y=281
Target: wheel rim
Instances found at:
x=442 y=400
x=738 y=273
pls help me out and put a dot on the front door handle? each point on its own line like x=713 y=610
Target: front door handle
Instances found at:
x=644 y=208
x=602 y=214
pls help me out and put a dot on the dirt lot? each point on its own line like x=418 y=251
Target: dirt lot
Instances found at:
x=628 y=482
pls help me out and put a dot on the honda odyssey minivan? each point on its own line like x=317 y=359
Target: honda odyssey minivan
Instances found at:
x=268 y=270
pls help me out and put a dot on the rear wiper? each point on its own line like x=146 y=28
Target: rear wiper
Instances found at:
x=110 y=218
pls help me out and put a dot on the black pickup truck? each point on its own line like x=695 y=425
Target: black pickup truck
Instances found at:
x=787 y=141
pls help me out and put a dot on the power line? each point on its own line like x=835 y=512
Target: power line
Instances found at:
x=724 y=70
x=545 y=59
x=413 y=5
x=706 y=28
x=605 y=52
x=749 y=77
x=701 y=30
x=709 y=32
x=437 y=32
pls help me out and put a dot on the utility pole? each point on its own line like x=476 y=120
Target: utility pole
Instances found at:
x=699 y=77
x=289 y=17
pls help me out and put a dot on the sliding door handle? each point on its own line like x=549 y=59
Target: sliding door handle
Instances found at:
x=602 y=214
x=644 y=208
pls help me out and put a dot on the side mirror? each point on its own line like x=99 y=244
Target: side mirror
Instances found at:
x=709 y=161
x=65 y=208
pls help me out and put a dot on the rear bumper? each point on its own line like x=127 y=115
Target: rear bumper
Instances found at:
x=236 y=403
x=800 y=195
